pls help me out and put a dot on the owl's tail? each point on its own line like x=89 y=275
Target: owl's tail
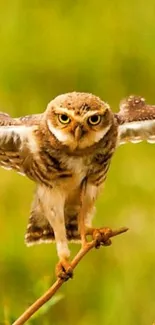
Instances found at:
x=36 y=233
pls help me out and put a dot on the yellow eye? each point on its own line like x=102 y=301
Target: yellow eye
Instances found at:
x=64 y=119
x=94 y=119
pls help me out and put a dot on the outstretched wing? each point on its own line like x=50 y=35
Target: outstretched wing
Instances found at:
x=16 y=140
x=136 y=121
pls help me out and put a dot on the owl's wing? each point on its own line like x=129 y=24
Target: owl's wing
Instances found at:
x=16 y=141
x=136 y=121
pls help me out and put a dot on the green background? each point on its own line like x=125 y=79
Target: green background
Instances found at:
x=107 y=48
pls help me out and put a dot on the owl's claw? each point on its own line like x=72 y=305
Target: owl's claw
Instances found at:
x=64 y=270
x=101 y=236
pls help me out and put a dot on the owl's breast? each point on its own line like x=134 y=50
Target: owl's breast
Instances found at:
x=77 y=169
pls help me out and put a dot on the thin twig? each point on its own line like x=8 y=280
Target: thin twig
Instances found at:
x=58 y=283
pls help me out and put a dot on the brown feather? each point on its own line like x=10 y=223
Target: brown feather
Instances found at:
x=133 y=109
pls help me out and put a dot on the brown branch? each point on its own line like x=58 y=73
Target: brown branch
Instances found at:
x=58 y=283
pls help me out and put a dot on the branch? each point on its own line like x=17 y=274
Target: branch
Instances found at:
x=58 y=283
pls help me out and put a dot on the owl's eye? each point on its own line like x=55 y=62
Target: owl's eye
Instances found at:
x=64 y=119
x=94 y=119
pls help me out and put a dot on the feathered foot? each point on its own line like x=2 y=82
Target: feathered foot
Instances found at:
x=64 y=269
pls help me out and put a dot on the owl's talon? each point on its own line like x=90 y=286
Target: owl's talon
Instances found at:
x=64 y=270
x=101 y=236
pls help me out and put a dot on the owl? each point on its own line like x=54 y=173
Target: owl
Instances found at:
x=67 y=151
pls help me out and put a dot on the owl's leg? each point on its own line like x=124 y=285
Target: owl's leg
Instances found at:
x=100 y=235
x=56 y=219
x=88 y=197
x=53 y=201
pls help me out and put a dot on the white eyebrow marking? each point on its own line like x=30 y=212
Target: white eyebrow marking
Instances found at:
x=61 y=136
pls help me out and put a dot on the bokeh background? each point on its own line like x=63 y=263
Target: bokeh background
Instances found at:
x=107 y=48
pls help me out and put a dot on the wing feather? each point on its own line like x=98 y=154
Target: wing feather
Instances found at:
x=136 y=132
x=16 y=141
x=136 y=121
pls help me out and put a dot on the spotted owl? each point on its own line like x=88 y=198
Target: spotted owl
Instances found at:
x=67 y=151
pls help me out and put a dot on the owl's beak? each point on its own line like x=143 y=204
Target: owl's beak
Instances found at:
x=78 y=132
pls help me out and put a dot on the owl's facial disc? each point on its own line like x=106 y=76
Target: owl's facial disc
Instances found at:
x=78 y=120
x=79 y=132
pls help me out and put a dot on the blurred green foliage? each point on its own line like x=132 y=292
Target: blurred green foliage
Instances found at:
x=107 y=48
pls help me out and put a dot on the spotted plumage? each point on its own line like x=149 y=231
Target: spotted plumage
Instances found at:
x=136 y=120
x=67 y=151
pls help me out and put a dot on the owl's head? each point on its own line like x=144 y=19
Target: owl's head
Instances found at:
x=78 y=120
